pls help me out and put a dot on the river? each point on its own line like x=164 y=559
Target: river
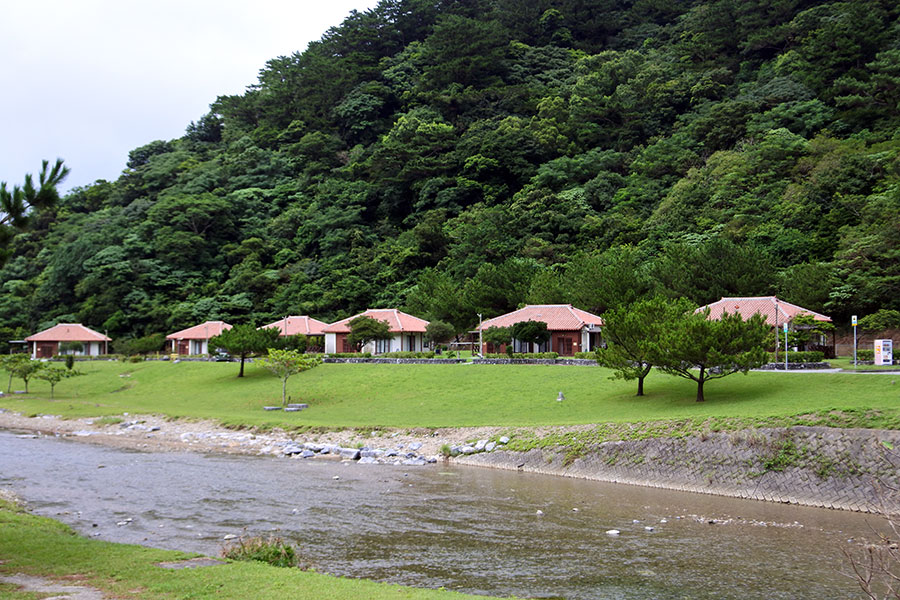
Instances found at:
x=472 y=529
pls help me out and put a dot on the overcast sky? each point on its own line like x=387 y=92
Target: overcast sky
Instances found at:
x=89 y=80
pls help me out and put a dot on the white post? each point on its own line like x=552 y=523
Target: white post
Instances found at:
x=853 y=322
x=785 y=347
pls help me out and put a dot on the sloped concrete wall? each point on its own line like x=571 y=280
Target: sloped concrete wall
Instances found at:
x=814 y=466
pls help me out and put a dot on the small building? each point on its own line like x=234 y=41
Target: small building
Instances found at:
x=68 y=338
x=777 y=312
x=571 y=329
x=195 y=340
x=408 y=333
x=301 y=325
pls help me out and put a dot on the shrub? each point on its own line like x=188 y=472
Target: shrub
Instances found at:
x=587 y=355
x=865 y=355
x=812 y=356
x=517 y=355
x=272 y=550
x=349 y=355
x=408 y=355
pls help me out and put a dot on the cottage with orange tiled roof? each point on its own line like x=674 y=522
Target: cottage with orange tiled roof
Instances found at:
x=301 y=325
x=408 y=333
x=777 y=312
x=571 y=329
x=195 y=340
x=80 y=340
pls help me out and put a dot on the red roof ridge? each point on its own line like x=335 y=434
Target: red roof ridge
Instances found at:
x=50 y=334
x=385 y=316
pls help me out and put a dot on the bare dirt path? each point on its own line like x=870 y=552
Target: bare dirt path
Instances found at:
x=45 y=585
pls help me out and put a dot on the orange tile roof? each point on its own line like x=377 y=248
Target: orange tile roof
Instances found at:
x=558 y=317
x=203 y=331
x=774 y=310
x=68 y=332
x=399 y=321
x=301 y=325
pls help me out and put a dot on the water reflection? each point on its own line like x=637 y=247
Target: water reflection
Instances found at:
x=472 y=529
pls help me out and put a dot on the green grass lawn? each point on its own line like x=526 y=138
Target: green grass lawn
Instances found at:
x=847 y=363
x=371 y=395
x=41 y=546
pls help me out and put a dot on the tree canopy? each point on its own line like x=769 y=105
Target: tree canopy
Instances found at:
x=634 y=333
x=701 y=349
x=245 y=340
x=365 y=329
x=464 y=158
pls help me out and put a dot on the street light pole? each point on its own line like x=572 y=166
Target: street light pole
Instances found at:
x=480 y=343
x=776 y=330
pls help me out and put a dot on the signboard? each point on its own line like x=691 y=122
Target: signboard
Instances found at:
x=853 y=320
x=785 y=327
x=884 y=352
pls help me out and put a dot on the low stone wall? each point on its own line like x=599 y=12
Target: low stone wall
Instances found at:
x=582 y=362
x=795 y=366
x=398 y=361
x=813 y=466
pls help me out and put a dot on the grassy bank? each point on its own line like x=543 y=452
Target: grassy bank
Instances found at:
x=367 y=395
x=44 y=547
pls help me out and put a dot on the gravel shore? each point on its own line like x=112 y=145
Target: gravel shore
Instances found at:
x=157 y=434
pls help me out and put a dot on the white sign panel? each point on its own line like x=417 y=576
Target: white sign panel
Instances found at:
x=884 y=352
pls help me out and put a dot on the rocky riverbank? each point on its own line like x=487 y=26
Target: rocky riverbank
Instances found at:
x=814 y=466
x=409 y=447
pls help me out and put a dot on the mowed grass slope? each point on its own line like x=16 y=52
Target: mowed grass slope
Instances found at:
x=370 y=395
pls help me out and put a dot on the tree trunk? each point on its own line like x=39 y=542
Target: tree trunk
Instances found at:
x=700 y=385
x=284 y=391
x=640 y=386
x=241 y=372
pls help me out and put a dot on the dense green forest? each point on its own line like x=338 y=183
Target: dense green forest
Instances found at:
x=456 y=157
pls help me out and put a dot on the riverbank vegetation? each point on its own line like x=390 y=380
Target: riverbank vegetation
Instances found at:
x=44 y=547
x=411 y=396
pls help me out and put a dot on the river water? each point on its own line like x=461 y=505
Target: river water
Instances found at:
x=476 y=530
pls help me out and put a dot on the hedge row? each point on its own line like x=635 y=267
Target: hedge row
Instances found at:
x=816 y=356
x=524 y=355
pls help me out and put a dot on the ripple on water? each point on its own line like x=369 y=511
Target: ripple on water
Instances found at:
x=462 y=528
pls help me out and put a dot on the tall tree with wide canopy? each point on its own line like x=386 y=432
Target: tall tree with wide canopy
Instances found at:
x=245 y=340
x=700 y=349
x=633 y=332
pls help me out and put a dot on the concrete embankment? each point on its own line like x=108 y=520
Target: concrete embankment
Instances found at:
x=848 y=469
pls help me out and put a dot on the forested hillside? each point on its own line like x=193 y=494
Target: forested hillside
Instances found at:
x=463 y=157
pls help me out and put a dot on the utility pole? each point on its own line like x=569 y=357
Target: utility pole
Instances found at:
x=480 y=344
x=785 y=347
x=776 y=331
